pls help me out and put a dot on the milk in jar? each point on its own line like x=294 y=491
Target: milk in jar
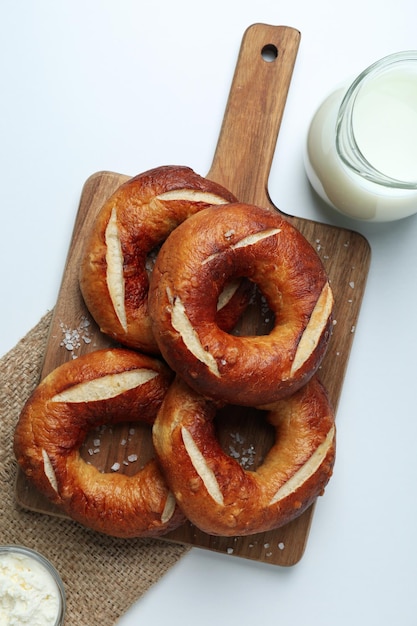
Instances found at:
x=361 y=152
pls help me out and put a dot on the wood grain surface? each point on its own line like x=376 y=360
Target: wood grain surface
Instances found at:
x=241 y=163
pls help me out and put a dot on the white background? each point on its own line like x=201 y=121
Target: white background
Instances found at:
x=127 y=85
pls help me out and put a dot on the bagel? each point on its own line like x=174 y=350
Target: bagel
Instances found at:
x=104 y=387
x=220 y=244
x=121 y=247
x=215 y=492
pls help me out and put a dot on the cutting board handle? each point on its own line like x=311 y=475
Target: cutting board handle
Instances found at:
x=254 y=110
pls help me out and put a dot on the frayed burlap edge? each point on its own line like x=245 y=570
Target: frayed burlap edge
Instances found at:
x=103 y=576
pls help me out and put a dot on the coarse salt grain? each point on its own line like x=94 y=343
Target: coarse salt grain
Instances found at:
x=72 y=337
x=115 y=467
x=237 y=437
x=246 y=456
x=233 y=452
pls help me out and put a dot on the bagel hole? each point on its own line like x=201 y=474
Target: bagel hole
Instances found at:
x=124 y=448
x=244 y=434
x=151 y=260
x=257 y=319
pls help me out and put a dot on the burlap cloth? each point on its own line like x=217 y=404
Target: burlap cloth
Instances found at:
x=103 y=576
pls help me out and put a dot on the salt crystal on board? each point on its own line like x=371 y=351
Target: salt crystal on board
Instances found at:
x=72 y=337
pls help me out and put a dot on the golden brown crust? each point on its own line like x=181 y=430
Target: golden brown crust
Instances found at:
x=230 y=241
x=120 y=249
x=106 y=386
x=220 y=497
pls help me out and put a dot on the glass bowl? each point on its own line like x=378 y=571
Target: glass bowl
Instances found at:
x=31 y=590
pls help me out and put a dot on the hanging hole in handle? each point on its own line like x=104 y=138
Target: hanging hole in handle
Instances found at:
x=269 y=52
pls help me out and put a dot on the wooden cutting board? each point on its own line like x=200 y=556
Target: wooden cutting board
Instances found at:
x=241 y=163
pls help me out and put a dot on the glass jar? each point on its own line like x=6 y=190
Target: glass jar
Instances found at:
x=31 y=590
x=361 y=151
